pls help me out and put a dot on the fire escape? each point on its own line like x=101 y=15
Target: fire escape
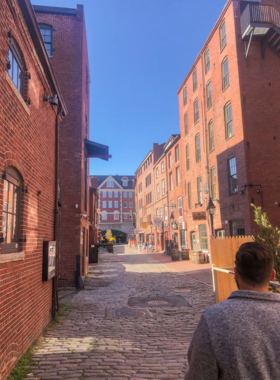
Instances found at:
x=261 y=23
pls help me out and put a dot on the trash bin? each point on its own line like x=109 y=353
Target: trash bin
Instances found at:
x=93 y=254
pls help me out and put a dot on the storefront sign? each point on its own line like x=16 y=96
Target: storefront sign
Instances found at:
x=157 y=221
x=199 y=215
x=144 y=225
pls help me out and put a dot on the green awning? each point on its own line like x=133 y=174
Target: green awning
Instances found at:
x=115 y=233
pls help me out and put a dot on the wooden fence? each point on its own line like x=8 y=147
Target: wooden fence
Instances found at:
x=223 y=256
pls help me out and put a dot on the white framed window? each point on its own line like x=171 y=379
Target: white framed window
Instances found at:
x=116 y=194
x=104 y=215
x=116 y=204
x=125 y=216
x=162 y=167
x=157 y=212
x=125 y=194
x=116 y=216
x=104 y=204
x=157 y=173
x=165 y=212
x=177 y=155
x=185 y=95
x=110 y=194
x=171 y=181
x=124 y=204
x=170 y=161
x=130 y=194
x=178 y=177
x=110 y=184
x=130 y=205
x=180 y=209
x=157 y=191
x=104 y=194
x=163 y=187
x=110 y=204
x=161 y=212
x=124 y=183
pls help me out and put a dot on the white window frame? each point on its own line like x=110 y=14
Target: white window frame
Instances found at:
x=124 y=204
x=165 y=212
x=130 y=194
x=116 y=216
x=163 y=187
x=110 y=184
x=162 y=167
x=110 y=194
x=104 y=215
x=104 y=194
x=158 y=191
x=104 y=204
x=125 y=194
x=116 y=194
x=130 y=204
x=125 y=183
x=110 y=204
x=180 y=207
x=116 y=204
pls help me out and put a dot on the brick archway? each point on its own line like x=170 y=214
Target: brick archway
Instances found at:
x=11 y=159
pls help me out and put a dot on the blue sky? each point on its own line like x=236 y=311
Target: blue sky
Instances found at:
x=140 y=52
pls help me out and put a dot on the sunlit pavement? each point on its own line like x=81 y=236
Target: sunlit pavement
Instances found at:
x=134 y=320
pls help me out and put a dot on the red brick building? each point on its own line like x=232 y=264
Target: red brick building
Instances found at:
x=30 y=113
x=116 y=205
x=229 y=111
x=63 y=28
x=93 y=211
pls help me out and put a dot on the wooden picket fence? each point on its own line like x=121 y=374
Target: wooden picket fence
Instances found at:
x=223 y=252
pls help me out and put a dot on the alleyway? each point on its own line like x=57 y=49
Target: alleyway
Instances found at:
x=106 y=336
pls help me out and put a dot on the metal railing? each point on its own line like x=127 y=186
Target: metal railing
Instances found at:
x=228 y=271
x=262 y=14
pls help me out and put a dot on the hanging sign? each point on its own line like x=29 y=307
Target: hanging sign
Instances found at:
x=157 y=221
x=145 y=225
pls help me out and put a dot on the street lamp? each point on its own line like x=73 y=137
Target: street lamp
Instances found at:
x=211 y=209
x=151 y=226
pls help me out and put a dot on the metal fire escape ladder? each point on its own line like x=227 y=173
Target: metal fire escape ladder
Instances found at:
x=261 y=23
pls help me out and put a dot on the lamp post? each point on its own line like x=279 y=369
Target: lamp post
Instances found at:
x=151 y=226
x=211 y=209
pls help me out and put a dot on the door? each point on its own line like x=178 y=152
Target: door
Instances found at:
x=84 y=248
x=176 y=245
x=183 y=237
x=194 y=244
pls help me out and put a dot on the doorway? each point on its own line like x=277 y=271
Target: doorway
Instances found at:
x=194 y=241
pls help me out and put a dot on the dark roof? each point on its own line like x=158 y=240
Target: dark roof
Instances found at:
x=55 y=10
x=118 y=179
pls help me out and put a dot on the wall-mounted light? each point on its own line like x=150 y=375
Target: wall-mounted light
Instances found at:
x=52 y=99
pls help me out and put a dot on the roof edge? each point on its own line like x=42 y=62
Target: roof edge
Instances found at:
x=55 y=10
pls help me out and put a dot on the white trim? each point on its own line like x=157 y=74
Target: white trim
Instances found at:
x=111 y=179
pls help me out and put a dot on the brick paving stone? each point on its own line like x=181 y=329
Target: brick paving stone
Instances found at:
x=91 y=344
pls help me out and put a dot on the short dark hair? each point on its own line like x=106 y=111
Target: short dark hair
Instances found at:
x=254 y=262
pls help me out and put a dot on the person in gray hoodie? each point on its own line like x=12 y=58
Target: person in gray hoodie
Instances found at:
x=239 y=339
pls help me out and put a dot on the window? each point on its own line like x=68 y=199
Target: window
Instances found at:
x=125 y=216
x=185 y=95
x=228 y=120
x=116 y=194
x=188 y=156
x=162 y=167
x=16 y=69
x=148 y=180
x=237 y=228
x=170 y=160
x=104 y=194
x=196 y=111
x=172 y=208
x=124 y=183
x=225 y=73
x=110 y=204
x=178 y=177
x=11 y=210
x=130 y=194
x=124 y=204
x=116 y=215
x=223 y=36
x=177 y=155
x=160 y=214
x=199 y=189
x=203 y=238
x=110 y=184
x=157 y=191
x=140 y=187
x=221 y=234
x=157 y=212
x=213 y=183
x=104 y=215
x=190 y=194
x=209 y=94
x=197 y=148
x=163 y=187
x=211 y=136
x=165 y=212
x=110 y=194
x=180 y=209
x=233 y=187
x=194 y=81
x=171 y=181
x=116 y=204
x=130 y=205
x=157 y=173
x=46 y=32
x=104 y=204
x=125 y=194
x=186 y=123
x=148 y=198
x=207 y=61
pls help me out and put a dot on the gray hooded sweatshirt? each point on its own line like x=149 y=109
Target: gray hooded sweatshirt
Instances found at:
x=238 y=339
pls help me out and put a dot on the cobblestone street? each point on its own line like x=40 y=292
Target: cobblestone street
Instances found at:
x=134 y=320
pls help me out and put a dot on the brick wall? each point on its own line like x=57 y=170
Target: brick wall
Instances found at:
x=27 y=142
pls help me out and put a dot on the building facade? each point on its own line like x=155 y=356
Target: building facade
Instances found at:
x=116 y=205
x=31 y=110
x=61 y=29
x=93 y=212
x=229 y=109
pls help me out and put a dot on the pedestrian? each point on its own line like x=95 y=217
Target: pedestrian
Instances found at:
x=240 y=337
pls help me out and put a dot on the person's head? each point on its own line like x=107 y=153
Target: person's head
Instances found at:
x=254 y=267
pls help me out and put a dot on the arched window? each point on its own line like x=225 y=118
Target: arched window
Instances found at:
x=47 y=35
x=16 y=66
x=11 y=210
